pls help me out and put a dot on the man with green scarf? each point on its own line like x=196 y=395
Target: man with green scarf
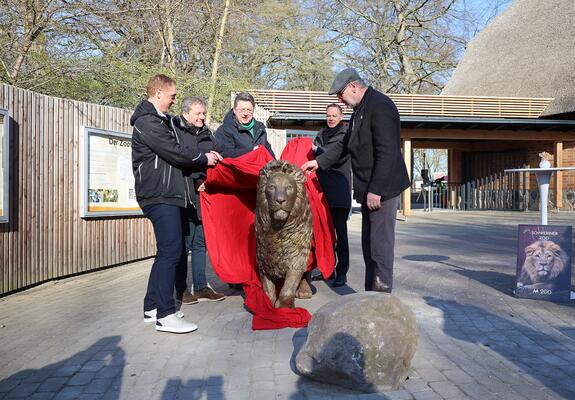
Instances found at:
x=240 y=133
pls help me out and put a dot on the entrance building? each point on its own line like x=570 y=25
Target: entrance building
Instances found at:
x=483 y=136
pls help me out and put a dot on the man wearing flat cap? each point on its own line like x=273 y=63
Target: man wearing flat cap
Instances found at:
x=379 y=173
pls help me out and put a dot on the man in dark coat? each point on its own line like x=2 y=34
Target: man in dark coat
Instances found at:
x=379 y=172
x=158 y=156
x=336 y=184
x=240 y=132
x=190 y=126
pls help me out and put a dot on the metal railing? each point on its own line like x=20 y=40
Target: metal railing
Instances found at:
x=501 y=191
x=498 y=191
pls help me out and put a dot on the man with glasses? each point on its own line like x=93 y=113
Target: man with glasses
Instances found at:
x=336 y=185
x=379 y=172
x=240 y=133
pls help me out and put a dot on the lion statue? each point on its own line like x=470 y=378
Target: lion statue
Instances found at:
x=544 y=261
x=283 y=229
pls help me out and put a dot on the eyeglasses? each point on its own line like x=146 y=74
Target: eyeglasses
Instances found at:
x=245 y=110
x=340 y=93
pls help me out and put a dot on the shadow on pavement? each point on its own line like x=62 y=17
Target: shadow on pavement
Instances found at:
x=341 y=290
x=534 y=352
x=569 y=331
x=298 y=340
x=310 y=389
x=504 y=283
x=94 y=371
x=210 y=388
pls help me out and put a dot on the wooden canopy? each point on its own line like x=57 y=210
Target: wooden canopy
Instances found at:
x=278 y=102
x=456 y=123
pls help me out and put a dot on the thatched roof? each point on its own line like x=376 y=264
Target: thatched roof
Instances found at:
x=527 y=51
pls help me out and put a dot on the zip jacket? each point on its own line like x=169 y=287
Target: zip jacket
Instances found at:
x=158 y=157
x=233 y=140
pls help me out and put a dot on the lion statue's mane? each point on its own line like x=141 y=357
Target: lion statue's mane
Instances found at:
x=544 y=261
x=282 y=246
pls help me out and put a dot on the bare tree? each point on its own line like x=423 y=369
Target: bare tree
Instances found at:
x=403 y=46
x=32 y=31
x=104 y=50
x=434 y=160
x=219 y=41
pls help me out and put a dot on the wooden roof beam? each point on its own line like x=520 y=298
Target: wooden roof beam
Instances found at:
x=486 y=134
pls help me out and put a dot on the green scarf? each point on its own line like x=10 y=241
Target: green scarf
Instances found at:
x=250 y=126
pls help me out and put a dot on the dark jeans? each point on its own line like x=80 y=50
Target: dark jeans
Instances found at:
x=168 y=228
x=378 y=241
x=196 y=242
x=339 y=217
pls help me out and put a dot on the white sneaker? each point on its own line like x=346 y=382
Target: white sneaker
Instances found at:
x=150 y=316
x=175 y=323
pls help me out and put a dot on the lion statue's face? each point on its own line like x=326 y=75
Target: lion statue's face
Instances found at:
x=282 y=197
x=544 y=260
x=281 y=194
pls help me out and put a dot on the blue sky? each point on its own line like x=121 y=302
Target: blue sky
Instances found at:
x=485 y=10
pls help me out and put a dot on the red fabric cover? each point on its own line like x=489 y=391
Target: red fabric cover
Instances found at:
x=322 y=255
x=228 y=205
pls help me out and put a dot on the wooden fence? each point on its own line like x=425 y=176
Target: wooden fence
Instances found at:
x=45 y=237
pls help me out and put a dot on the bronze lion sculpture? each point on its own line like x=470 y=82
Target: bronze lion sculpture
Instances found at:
x=544 y=261
x=284 y=232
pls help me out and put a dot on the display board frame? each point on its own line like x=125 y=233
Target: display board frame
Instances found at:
x=88 y=210
x=5 y=166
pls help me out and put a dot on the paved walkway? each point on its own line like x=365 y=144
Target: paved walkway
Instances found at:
x=83 y=337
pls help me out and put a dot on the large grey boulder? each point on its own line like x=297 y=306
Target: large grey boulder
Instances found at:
x=361 y=341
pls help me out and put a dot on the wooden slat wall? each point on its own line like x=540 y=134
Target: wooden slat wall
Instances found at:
x=428 y=105
x=46 y=238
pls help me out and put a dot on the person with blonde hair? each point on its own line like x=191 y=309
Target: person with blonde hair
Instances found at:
x=158 y=157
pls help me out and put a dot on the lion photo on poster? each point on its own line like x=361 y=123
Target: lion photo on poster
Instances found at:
x=544 y=262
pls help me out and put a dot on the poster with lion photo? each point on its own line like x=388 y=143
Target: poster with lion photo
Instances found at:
x=544 y=262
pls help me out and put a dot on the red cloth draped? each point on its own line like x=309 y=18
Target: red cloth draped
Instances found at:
x=322 y=255
x=228 y=206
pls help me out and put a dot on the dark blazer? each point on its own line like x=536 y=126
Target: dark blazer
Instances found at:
x=233 y=140
x=201 y=139
x=336 y=181
x=373 y=141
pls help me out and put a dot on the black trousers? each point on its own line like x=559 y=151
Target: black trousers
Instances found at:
x=339 y=217
x=378 y=241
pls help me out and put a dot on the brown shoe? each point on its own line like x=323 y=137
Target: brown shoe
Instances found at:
x=189 y=298
x=208 y=294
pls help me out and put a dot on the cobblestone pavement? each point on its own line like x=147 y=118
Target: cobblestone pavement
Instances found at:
x=84 y=338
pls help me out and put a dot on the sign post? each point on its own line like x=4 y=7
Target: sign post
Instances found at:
x=544 y=262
